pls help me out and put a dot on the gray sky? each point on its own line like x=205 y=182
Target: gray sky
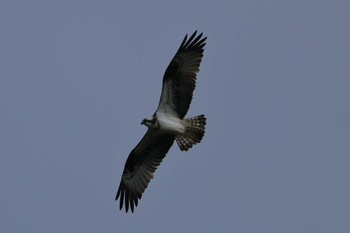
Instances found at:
x=77 y=78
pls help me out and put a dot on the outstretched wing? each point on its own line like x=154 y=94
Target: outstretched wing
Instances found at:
x=142 y=162
x=179 y=79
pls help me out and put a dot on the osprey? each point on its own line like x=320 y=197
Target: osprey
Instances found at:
x=167 y=123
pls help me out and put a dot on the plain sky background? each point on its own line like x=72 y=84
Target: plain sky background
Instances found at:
x=77 y=78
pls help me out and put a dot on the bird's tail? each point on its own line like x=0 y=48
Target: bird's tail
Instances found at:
x=195 y=130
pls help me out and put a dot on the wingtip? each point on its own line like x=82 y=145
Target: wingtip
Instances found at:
x=125 y=200
x=195 y=32
x=192 y=40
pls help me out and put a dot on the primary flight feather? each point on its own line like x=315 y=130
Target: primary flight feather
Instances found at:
x=167 y=123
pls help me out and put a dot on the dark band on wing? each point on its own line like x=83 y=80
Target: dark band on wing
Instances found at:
x=180 y=75
x=139 y=169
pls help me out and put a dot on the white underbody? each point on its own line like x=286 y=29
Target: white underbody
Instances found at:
x=170 y=124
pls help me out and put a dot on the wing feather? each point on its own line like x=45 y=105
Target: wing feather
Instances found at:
x=140 y=166
x=179 y=82
x=179 y=79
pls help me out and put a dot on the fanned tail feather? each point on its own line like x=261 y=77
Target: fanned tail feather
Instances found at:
x=195 y=130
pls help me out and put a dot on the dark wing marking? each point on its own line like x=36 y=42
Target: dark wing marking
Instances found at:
x=179 y=80
x=142 y=162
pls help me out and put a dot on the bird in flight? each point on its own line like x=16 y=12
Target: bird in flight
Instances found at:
x=167 y=124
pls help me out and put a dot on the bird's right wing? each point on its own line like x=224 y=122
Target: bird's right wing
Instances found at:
x=140 y=166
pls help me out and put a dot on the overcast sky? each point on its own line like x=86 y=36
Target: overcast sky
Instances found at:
x=77 y=78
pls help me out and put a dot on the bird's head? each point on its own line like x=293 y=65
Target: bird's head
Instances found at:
x=150 y=122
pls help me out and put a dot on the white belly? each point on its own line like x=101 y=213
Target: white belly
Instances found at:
x=170 y=124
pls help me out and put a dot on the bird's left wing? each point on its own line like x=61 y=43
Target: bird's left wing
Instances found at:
x=179 y=79
x=142 y=162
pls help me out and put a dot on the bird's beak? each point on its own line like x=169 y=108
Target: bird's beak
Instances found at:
x=143 y=122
